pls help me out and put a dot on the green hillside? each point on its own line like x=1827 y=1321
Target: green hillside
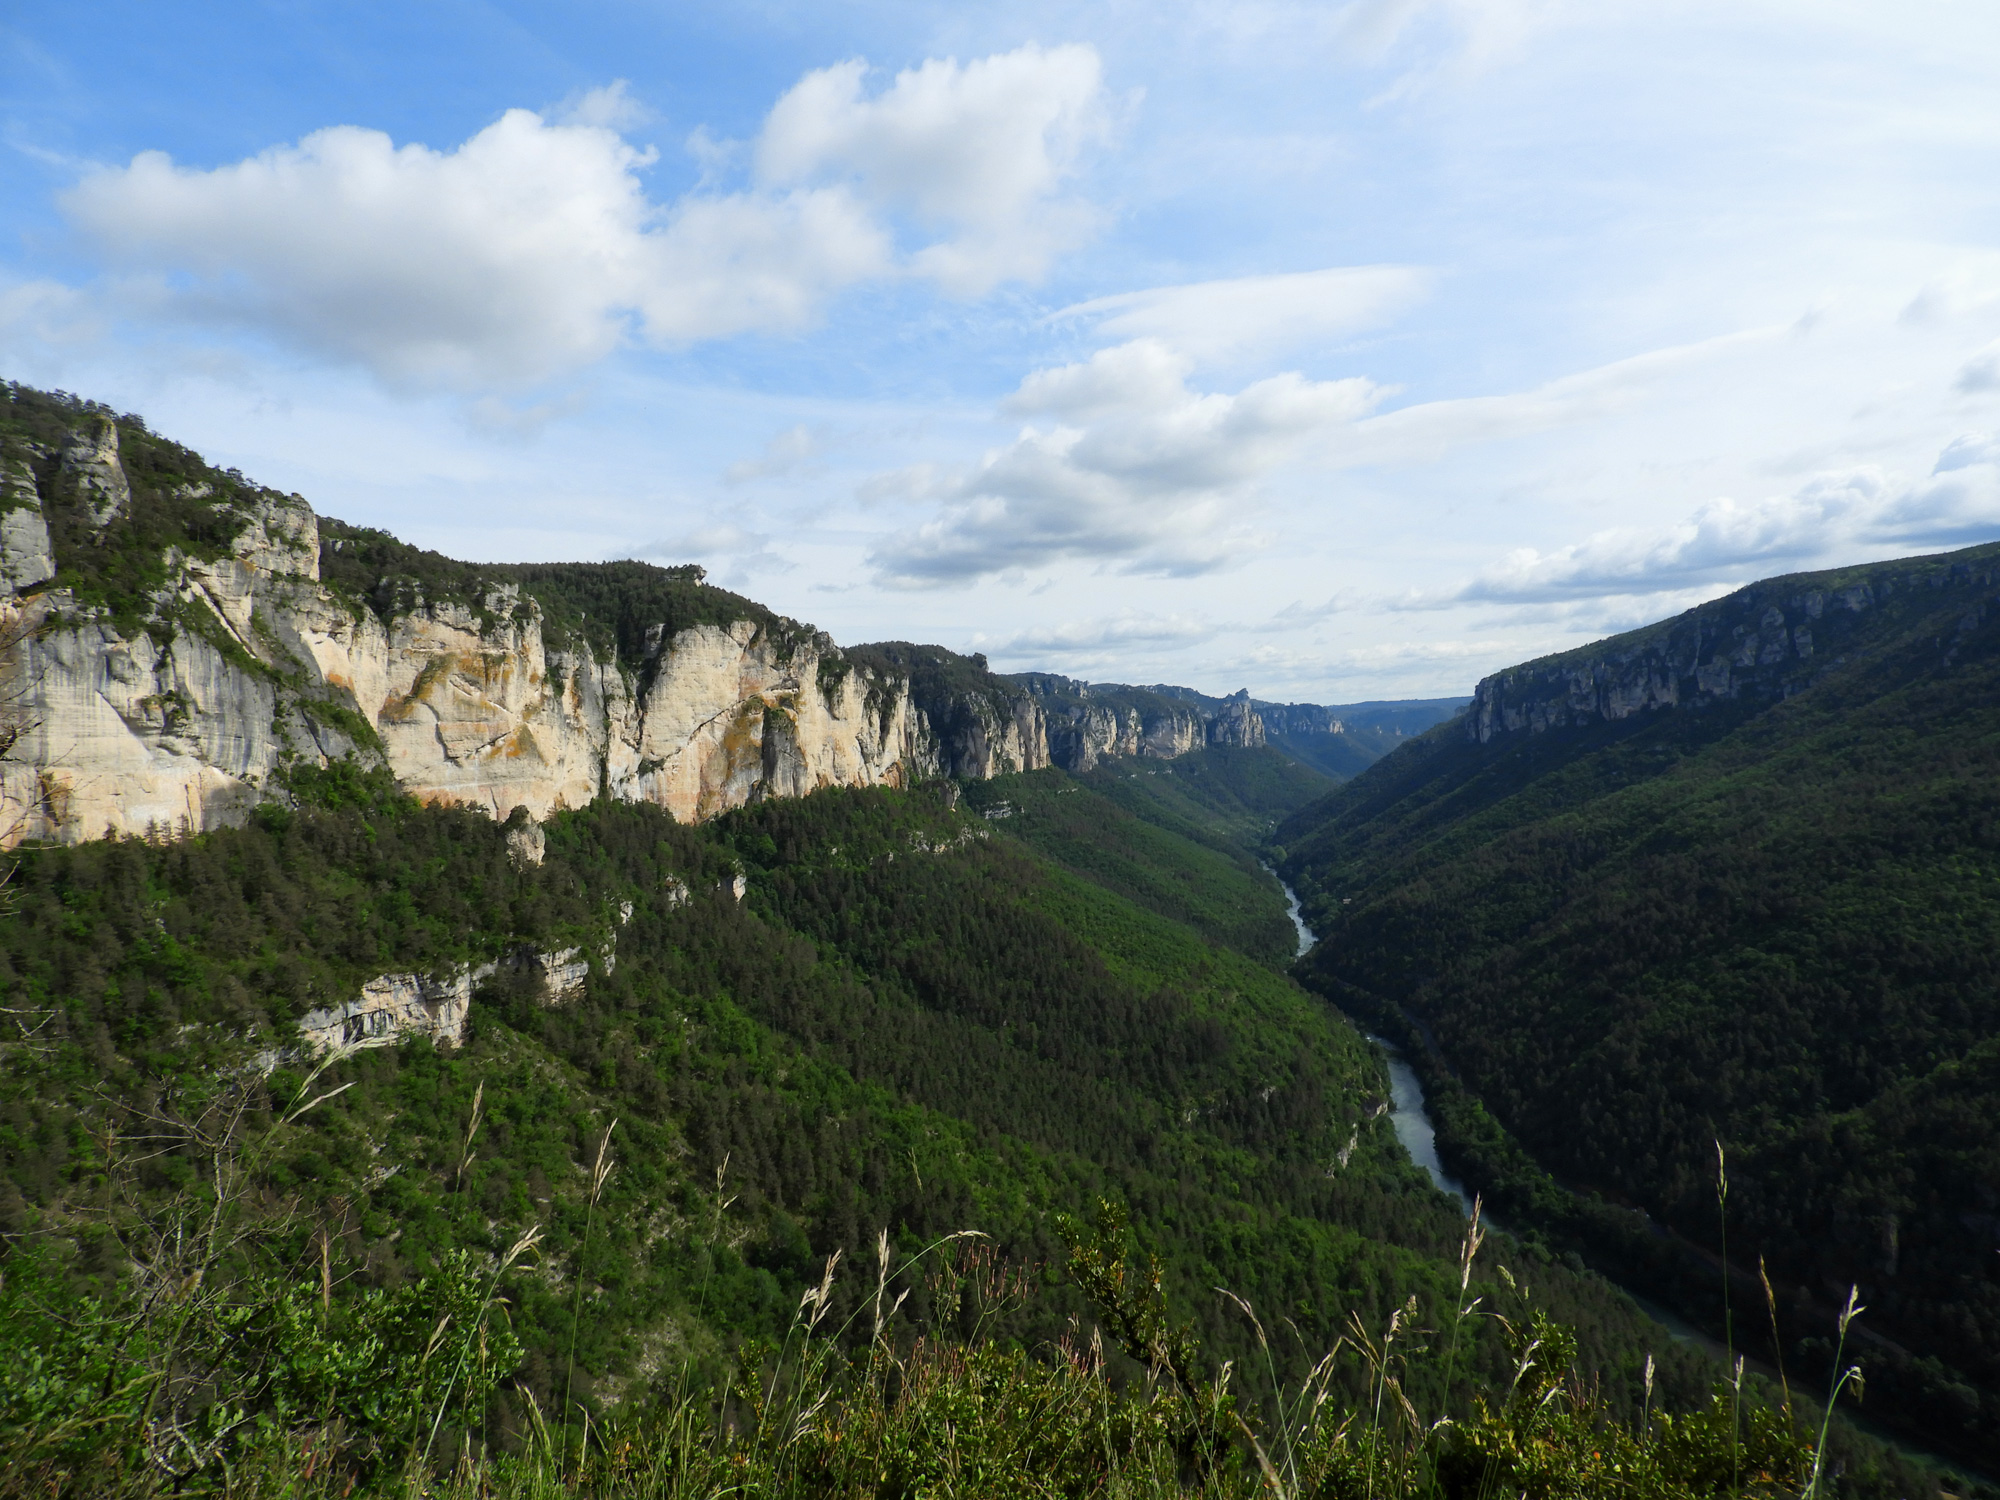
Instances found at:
x=909 y=1023
x=1175 y=837
x=1767 y=915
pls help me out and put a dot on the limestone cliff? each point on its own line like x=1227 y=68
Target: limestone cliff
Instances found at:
x=1088 y=722
x=173 y=638
x=980 y=725
x=168 y=646
x=1763 y=642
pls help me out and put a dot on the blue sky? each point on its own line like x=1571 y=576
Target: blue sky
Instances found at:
x=1337 y=351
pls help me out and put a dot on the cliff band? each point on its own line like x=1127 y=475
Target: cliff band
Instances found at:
x=172 y=637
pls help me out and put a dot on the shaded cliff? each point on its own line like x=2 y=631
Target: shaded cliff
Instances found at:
x=1759 y=644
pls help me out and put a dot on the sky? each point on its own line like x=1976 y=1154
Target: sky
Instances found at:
x=1338 y=351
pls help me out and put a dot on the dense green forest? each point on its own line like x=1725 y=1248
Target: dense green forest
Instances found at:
x=913 y=1021
x=1767 y=919
x=909 y=1023
x=1176 y=837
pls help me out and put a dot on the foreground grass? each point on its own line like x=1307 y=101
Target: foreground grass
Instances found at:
x=287 y=1398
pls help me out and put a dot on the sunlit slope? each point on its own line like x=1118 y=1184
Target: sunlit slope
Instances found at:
x=907 y=1022
x=1178 y=837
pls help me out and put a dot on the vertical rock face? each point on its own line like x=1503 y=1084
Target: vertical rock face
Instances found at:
x=1765 y=641
x=1089 y=722
x=180 y=709
x=178 y=724
x=26 y=555
x=471 y=710
x=728 y=714
x=1237 y=723
x=973 y=723
x=1299 y=719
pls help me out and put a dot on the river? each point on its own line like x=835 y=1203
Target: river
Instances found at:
x=1407 y=1116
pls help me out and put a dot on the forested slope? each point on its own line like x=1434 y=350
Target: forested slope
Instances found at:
x=1176 y=837
x=1636 y=914
x=908 y=1022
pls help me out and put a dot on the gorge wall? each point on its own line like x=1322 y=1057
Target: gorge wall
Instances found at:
x=1767 y=641
x=173 y=637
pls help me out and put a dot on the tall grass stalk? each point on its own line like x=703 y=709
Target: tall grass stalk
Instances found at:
x=600 y=1170
x=1841 y=1377
x=1728 y=1325
x=476 y=1332
x=1777 y=1341
x=715 y=1233
x=1475 y=1236
x=471 y=1133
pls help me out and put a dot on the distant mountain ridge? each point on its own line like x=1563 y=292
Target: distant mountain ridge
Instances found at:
x=1339 y=739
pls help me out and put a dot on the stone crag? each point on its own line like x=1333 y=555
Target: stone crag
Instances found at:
x=1764 y=642
x=1090 y=722
x=175 y=704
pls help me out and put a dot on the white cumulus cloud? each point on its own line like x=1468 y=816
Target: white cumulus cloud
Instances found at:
x=1080 y=637
x=980 y=151
x=533 y=248
x=1134 y=469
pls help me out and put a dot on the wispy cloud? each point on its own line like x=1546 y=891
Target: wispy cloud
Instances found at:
x=1076 y=637
x=723 y=546
x=1258 y=315
x=1980 y=373
x=784 y=453
x=1429 y=429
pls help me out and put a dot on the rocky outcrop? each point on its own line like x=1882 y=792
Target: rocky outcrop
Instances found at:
x=177 y=725
x=977 y=725
x=394 y=1006
x=91 y=461
x=1237 y=723
x=26 y=556
x=1764 y=642
x=730 y=714
x=1289 y=719
x=562 y=973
